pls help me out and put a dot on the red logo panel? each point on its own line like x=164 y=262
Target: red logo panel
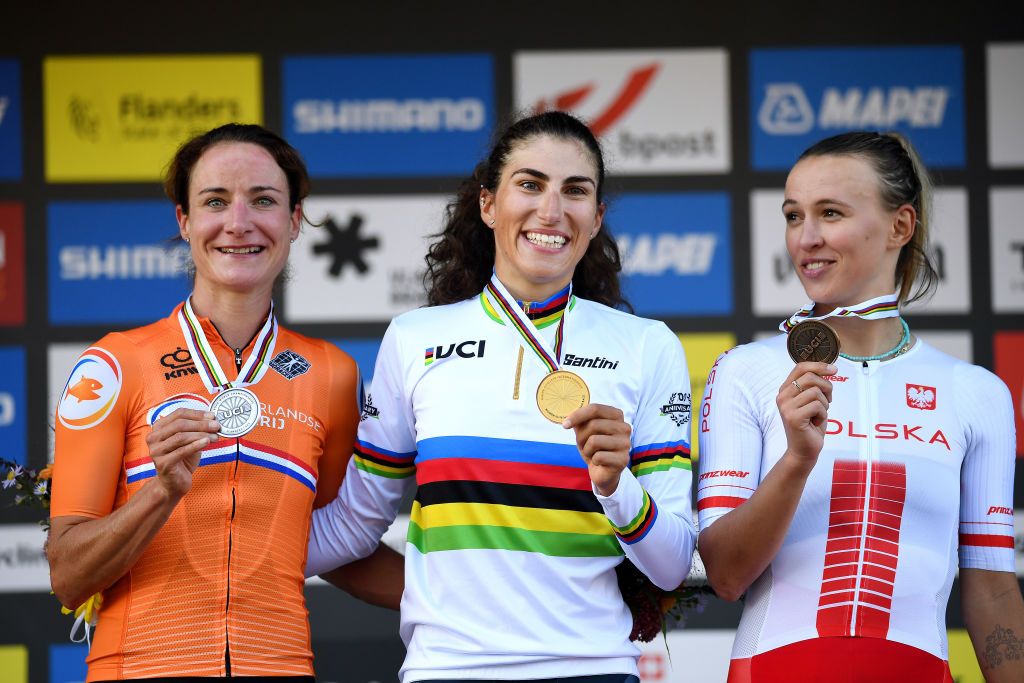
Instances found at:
x=1009 y=357
x=921 y=397
x=12 y=263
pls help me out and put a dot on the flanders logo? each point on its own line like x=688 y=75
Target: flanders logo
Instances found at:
x=120 y=118
x=466 y=349
x=91 y=391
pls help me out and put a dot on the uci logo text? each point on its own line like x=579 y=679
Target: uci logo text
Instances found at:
x=466 y=349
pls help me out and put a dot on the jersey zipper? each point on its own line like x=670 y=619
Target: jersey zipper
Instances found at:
x=231 y=525
x=867 y=402
x=238 y=360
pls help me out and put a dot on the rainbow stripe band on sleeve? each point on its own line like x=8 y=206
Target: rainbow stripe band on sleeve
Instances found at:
x=659 y=457
x=382 y=462
x=641 y=524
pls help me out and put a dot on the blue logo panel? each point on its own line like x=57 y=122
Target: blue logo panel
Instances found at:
x=113 y=262
x=800 y=96
x=676 y=252
x=376 y=116
x=363 y=352
x=10 y=120
x=12 y=404
x=67 y=663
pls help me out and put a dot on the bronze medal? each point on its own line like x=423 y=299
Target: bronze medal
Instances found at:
x=813 y=340
x=560 y=393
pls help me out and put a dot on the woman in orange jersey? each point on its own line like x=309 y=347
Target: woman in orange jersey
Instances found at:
x=186 y=498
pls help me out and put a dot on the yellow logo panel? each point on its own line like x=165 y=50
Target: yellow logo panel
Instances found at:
x=116 y=119
x=702 y=349
x=13 y=664
x=963 y=663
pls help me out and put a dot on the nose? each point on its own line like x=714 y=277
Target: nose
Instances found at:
x=550 y=209
x=810 y=234
x=237 y=219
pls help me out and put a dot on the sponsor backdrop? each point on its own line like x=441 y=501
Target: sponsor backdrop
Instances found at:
x=701 y=117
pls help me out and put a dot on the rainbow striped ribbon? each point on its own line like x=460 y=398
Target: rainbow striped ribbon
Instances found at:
x=550 y=357
x=213 y=376
x=886 y=306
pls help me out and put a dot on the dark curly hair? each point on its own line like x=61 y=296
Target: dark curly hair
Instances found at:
x=902 y=179
x=461 y=260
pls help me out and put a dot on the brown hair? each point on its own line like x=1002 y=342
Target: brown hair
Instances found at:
x=902 y=179
x=460 y=262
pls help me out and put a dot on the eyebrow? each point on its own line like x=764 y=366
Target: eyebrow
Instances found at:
x=255 y=189
x=820 y=202
x=544 y=176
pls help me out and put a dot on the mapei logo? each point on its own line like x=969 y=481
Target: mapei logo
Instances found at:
x=172 y=403
x=800 y=95
x=634 y=86
x=672 y=253
x=290 y=364
x=91 y=391
x=786 y=109
x=179 y=363
x=921 y=397
x=678 y=408
x=466 y=349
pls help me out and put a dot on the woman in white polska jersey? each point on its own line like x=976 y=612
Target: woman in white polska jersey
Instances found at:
x=828 y=493
x=519 y=523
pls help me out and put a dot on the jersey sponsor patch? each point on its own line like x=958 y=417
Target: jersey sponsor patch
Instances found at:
x=91 y=391
x=678 y=408
x=921 y=397
x=290 y=364
x=168 y=406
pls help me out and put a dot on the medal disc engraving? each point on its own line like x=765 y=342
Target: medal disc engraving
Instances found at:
x=237 y=410
x=560 y=393
x=814 y=341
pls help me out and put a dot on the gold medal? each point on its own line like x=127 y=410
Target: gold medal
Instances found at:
x=814 y=341
x=560 y=393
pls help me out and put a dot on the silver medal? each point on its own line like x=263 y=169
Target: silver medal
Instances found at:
x=237 y=410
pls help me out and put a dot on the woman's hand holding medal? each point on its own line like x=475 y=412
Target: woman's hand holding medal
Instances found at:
x=176 y=443
x=804 y=397
x=602 y=435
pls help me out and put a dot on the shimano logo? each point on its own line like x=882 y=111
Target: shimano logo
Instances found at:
x=786 y=109
x=657 y=254
x=390 y=116
x=4 y=101
x=141 y=261
x=7 y=409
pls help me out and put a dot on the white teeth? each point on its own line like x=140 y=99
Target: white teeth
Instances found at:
x=815 y=265
x=545 y=240
x=241 y=250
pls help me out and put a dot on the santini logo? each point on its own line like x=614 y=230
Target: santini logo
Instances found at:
x=584 y=362
x=786 y=109
x=390 y=116
x=466 y=349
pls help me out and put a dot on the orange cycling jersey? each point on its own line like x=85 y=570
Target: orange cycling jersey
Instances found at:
x=219 y=589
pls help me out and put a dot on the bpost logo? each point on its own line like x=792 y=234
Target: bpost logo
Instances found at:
x=366 y=263
x=676 y=255
x=10 y=120
x=1009 y=365
x=1006 y=206
x=109 y=262
x=389 y=116
x=110 y=119
x=12 y=263
x=91 y=390
x=12 y=403
x=659 y=112
x=799 y=96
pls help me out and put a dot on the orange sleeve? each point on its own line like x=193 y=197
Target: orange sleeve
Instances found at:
x=343 y=411
x=91 y=421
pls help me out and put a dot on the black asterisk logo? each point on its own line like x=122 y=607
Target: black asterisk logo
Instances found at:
x=346 y=245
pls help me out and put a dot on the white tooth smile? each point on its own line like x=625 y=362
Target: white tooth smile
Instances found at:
x=816 y=265
x=545 y=240
x=240 y=250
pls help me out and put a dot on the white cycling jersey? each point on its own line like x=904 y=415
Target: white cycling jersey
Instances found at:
x=511 y=554
x=917 y=464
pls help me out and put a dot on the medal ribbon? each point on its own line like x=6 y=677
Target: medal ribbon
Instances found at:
x=885 y=306
x=213 y=376
x=550 y=357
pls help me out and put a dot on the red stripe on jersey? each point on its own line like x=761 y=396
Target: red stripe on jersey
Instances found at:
x=987 y=540
x=720 y=502
x=502 y=472
x=862 y=549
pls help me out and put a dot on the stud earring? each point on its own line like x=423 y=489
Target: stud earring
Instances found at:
x=186 y=240
x=293 y=240
x=492 y=221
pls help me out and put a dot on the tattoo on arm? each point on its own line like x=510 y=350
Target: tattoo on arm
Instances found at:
x=1002 y=645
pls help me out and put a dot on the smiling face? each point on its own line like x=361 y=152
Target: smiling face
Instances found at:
x=843 y=241
x=238 y=223
x=544 y=212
